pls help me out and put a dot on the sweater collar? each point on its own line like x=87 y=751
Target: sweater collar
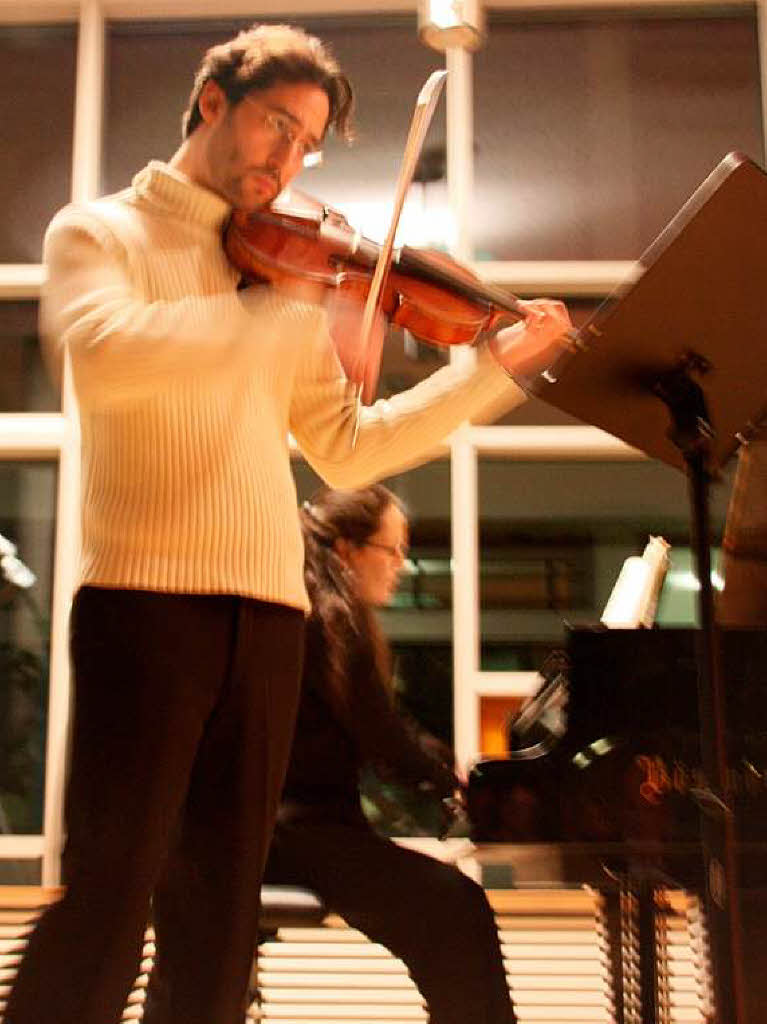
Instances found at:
x=167 y=187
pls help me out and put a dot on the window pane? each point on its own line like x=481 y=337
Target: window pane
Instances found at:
x=150 y=69
x=592 y=131
x=554 y=537
x=37 y=76
x=20 y=872
x=420 y=630
x=25 y=385
x=27 y=520
x=388 y=66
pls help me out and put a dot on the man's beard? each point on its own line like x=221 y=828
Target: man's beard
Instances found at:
x=241 y=190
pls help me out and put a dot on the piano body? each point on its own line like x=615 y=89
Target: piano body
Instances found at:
x=617 y=792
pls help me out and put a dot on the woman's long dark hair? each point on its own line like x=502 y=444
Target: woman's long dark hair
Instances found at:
x=348 y=624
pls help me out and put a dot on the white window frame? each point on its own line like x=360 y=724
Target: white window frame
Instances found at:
x=55 y=436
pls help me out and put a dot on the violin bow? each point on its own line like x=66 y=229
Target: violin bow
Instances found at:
x=419 y=125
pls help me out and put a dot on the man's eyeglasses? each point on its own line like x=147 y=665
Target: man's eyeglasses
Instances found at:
x=393 y=550
x=283 y=130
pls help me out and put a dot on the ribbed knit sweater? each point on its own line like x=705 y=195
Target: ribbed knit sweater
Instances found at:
x=188 y=388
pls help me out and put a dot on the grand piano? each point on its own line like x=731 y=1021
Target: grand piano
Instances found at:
x=605 y=765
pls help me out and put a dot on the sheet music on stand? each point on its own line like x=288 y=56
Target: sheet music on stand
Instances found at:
x=634 y=598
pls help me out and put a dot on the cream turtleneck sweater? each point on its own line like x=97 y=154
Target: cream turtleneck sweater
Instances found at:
x=187 y=391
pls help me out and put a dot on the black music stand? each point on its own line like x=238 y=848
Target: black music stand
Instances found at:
x=688 y=336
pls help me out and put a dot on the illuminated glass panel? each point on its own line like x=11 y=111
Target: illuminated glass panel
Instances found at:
x=37 y=77
x=563 y=530
x=27 y=522
x=592 y=130
x=25 y=385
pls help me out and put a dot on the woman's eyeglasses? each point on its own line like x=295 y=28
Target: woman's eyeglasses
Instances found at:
x=392 y=550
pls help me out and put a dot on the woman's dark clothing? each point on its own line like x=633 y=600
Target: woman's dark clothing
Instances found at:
x=184 y=708
x=337 y=733
x=429 y=914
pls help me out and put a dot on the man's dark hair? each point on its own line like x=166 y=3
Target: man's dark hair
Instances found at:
x=263 y=56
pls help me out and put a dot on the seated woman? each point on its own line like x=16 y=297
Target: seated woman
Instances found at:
x=427 y=913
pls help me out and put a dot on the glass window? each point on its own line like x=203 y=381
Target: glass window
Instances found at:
x=420 y=627
x=27 y=521
x=37 y=76
x=554 y=537
x=25 y=385
x=150 y=68
x=678 y=603
x=591 y=131
x=20 y=872
x=388 y=66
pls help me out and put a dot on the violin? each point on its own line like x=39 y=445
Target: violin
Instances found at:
x=299 y=242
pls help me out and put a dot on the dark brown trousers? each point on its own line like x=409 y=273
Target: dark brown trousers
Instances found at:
x=184 y=711
x=429 y=914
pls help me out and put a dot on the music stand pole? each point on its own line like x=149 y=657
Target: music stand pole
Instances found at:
x=691 y=433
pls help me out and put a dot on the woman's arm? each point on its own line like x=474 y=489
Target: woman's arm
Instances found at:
x=366 y=710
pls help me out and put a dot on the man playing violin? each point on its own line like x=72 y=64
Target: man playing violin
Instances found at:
x=187 y=626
